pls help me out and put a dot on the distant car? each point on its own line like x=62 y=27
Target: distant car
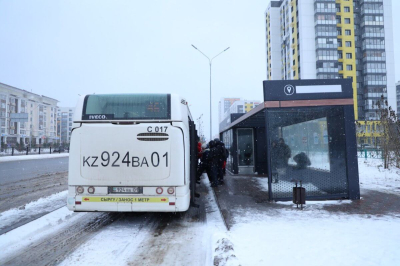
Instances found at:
x=59 y=149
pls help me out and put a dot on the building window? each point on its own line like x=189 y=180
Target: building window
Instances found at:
x=347 y=9
x=347 y=32
x=346 y=21
x=348 y=44
x=349 y=56
x=349 y=67
x=340 y=55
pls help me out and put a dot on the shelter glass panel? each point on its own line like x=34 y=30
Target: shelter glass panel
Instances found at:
x=245 y=150
x=308 y=144
x=227 y=138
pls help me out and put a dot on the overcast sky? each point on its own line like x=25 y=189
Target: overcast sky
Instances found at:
x=64 y=48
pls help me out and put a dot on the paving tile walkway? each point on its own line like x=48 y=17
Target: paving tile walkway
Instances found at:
x=245 y=194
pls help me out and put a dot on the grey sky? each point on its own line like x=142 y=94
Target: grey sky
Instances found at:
x=64 y=48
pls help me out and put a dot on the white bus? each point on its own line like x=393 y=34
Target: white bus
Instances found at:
x=132 y=153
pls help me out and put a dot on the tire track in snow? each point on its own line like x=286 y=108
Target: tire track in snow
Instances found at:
x=55 y=247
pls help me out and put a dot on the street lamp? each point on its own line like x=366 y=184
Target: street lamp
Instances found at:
x=210 y=62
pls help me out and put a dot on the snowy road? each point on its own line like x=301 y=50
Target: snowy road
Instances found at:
x=20 y=168
x=115 y=238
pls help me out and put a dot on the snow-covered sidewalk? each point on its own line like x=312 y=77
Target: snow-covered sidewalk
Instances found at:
x=365 y=232
x=316 y=238
x=32 y=157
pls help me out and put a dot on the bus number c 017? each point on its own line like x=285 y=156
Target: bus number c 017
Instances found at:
x=162 y=129
x=155 y=160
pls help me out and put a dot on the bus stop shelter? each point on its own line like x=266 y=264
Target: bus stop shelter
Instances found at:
x=303 y=131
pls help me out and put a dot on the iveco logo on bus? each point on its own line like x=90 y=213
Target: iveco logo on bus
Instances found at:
x=289 y=90
x=97 y=117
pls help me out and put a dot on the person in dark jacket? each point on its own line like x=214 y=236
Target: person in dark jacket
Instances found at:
x=221 y=158
x=204 y=164
x=213 y=159
x=302 y=160
x=284 y=153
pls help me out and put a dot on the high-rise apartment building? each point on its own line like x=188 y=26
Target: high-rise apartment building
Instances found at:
x=224 y=105
x=38 y=124
x=235 y=106
x=64 y=123
x=325 y=39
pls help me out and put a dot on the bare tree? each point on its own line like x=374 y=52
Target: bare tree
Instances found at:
x=390 y=129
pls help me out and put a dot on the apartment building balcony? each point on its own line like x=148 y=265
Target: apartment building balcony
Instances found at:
x=370 y=1
x=372 y=23
x=372 y=11
x=373 y=35
x=374 y=70
x=324 y=10
x=326 y=34
x=325 y=22
x=373 y=46
x=375 y=82
x=326 y=58
x=326 y=46
x=374 y=59
x=327 y=70
x=376 y=95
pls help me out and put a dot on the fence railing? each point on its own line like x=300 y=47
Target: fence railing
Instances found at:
x=370 y=154
x=30 y=151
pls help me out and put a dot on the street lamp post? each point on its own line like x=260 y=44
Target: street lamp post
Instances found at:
x=210 y=62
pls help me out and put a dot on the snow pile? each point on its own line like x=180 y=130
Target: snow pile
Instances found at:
x=32 y=157
x=316 y=237
x=30 y=210
x=224 y=254
x=12 y=242
x=374 y=176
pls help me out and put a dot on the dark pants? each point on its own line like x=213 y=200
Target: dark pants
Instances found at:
x=220 y=171
x=214 y=174
x=202 y=167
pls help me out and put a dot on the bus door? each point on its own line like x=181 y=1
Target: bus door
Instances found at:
x=193 y=162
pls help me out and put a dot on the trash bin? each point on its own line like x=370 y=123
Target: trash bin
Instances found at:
x=299 y=195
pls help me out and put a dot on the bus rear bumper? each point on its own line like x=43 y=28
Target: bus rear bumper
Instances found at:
x=114 y=203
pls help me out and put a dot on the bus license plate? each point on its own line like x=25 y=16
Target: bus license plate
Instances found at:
x=126 y=190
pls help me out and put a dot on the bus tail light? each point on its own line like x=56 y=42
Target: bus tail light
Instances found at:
x=91 y=190
x=80 y=190
x=159 y=190
x=171 y=190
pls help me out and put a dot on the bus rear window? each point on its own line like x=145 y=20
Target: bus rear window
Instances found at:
x=126 y=106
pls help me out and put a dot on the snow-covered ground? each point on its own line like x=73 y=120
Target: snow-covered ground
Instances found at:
x=318 y=237
x=286 y=236
x=131 y=243
x=15 y=240
x=32 y=157
x=32 y=209
x=373 y=176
